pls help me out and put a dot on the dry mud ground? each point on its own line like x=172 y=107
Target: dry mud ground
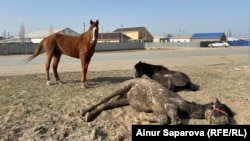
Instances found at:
x=30 y=110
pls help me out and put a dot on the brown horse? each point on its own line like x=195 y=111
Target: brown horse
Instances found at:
x=82 y=46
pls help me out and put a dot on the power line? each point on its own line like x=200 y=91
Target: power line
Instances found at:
x=9 y=24
x=15 y=25
x=15 y=31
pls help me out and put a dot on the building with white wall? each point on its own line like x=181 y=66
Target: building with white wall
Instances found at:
x=37 y=35
x=180 y=38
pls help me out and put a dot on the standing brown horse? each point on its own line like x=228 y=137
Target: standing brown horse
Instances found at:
x=82 y=46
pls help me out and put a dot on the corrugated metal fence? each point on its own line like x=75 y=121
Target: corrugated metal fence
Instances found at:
x=16 y=48
x=28 y=48
x=239 y=43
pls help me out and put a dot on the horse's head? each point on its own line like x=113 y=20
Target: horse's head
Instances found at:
x=138 y=70
x=94 y=28
x=218 y=113
x=142 y=68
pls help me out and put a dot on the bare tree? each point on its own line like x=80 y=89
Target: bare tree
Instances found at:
x=22 y=36
x=5 y=45
x=51 y=30
x=229 y=33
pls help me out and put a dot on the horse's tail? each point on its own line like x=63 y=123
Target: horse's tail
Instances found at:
x=37 y=51
x=123 y=88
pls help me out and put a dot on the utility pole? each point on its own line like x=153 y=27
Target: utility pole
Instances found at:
x=83 y=27
x=121 y=34
x=102 y=33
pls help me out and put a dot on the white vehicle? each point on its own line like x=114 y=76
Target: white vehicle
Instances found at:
x=219 y=44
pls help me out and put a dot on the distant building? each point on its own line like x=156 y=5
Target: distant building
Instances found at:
x=140 y=34
x=38 y=35
x=14 y=39
x=199 y=37
x=162 y=38
x=232 y=39
x=113 y=37
x=180 y=38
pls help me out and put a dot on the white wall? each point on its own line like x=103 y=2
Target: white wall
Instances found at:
x=179 y=40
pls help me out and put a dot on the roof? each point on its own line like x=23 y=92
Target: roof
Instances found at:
x=41 y=33
x=207 y=35
x=45 y=32
x=129 y=29
x=181 y=37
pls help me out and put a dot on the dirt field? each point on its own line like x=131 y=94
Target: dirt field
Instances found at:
x=30 y=110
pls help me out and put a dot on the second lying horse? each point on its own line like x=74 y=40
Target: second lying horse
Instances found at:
x=158 y=104
x=173 y=80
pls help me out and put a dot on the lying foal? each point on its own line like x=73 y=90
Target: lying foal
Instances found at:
x=158 y=104
x=173 y=80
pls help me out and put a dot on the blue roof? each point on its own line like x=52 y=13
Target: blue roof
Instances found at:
x=207 y=35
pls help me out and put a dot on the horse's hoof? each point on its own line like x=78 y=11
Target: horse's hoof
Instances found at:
x=87 y=117
x=84 y=85
x=48 y=83
x=59 y=82
x=176 y=122
x=142 y=116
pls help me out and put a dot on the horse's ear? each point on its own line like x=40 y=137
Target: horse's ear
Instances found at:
x=91 y=21
x=97 y=22
x=216 y=101
x=225 y=107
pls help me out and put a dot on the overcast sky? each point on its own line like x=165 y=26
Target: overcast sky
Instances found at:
x=158 y=16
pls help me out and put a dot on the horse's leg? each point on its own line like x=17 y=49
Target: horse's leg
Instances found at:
x=172 y=112
x=121 y=92
x=85 y=59
x=56 y=61
x=89 y=116
x=171 y=86
x=47 y=67
x=155 y=118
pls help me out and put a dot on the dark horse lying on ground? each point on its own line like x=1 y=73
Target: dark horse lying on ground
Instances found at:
x=82 y=46
x=158 y=104
x=173 y=80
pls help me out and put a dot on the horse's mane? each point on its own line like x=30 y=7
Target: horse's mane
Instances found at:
x=155 y=67
x=159 y=67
